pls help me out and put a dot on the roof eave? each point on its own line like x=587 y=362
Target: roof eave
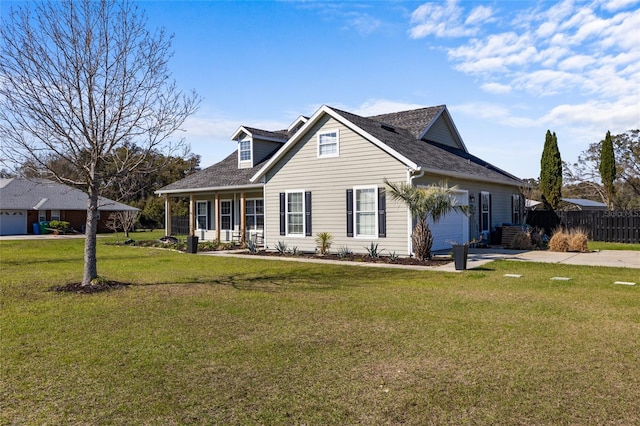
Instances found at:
x=207 y=189
x=467 y=176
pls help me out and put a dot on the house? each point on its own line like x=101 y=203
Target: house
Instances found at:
x=24 y=202
x=325 y=173
x=569 y=204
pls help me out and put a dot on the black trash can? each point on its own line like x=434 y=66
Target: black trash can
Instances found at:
x=460 y=252
x=192 y=244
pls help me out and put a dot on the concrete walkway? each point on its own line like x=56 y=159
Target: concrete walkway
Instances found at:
x=480 y=257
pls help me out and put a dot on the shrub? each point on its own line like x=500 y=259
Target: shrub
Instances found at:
x=373 y=251
x=344 y=252
x=578 y=240
x=281 y=247
x=572 y=240
x=324 y=240
x=252 y=247
x=522 y=241
x=59 y=224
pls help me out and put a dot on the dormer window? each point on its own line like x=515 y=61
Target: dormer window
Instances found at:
x=328 y=144
x=245 y=150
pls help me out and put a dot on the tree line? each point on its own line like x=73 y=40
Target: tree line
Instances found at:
x=608 y=171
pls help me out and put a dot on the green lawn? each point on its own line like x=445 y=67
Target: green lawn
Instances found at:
x=205 y=340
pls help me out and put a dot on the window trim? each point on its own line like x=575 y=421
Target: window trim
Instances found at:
x=488 y=211
x=206 y=214
x=254 y=214
x=375 y=234
x=327 y=132
x=302 y=213
x=250 y=150
x=230 y=214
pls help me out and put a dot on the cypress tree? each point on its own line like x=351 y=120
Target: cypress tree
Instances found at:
x=607 y=167
x=551 y=172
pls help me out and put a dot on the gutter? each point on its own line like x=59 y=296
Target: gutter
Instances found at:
x=207 y=189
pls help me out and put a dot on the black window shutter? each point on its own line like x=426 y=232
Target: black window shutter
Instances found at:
x=307 y=214
x=349 y=212
x=282 y=213
x=490 y=211
x=382 y=213
x=513 y=211
x=209 y=222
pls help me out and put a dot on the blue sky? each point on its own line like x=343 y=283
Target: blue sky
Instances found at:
x=507 y=70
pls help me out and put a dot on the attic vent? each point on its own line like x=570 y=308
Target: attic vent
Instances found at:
x=388 y=127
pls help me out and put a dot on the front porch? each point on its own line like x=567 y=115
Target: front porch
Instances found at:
x=224 y=216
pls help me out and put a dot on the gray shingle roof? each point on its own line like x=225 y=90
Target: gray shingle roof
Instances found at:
x=403 y=137
x=276 y=134
x=42 y=194
x=222 y=174
x=429 y=155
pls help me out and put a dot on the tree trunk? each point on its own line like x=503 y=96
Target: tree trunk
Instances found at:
x=422 y=240
x=91 y=228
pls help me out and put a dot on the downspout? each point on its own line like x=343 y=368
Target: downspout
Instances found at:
x=410 y=177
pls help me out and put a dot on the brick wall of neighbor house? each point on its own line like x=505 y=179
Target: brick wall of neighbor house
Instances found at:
x=500 y=200
x=360 y=163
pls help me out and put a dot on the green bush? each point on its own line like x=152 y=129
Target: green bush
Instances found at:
x=59 y=224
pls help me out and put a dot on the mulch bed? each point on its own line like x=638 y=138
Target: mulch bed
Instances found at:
x=359 y=258
x=90 y=289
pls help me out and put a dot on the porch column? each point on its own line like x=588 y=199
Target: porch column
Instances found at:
x=243 y=219
x=216 y=219
x=167 y=215
x=192 y=215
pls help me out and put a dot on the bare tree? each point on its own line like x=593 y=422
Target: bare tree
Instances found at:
x=122 y=220
x=81 y=80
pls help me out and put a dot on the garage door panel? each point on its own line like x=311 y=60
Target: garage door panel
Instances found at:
x=13 y=222
x=452 y=227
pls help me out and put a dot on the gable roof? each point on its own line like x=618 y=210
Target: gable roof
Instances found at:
x=277 y=136
x=43 y=194
x=399 y=134
x=221 y=175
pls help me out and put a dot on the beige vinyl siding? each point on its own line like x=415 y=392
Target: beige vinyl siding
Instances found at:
x=500 y=199
x=359 y=163
x=441 y=132
x=262 y=148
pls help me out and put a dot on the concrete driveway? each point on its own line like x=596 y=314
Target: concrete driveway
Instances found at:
x=612 y=258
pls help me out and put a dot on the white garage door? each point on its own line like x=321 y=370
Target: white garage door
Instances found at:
x=452 y=227
x=13 y=222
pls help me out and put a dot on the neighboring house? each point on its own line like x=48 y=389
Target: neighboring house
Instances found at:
x=569 y=204
x=24 y=202
x=326 y=173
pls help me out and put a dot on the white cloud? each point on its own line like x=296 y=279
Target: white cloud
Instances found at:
x=494 y=112
x=480 y=14
x=445 y=20
x=614 y=5
x=496 y=88
x=382 y=106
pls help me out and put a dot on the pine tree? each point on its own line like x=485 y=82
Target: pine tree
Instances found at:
x=607 y=168
x=551 y=172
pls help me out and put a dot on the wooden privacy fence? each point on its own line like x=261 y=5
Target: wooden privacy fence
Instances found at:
x=610 y=226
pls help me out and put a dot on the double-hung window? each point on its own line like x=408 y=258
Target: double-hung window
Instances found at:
x=485 y=211
x=366 y=211
x=328 y=143
x=225 y=215
x=255 y=214
x=55 y=214
x=202 y=214
x=245 y=150
x=295 y=213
